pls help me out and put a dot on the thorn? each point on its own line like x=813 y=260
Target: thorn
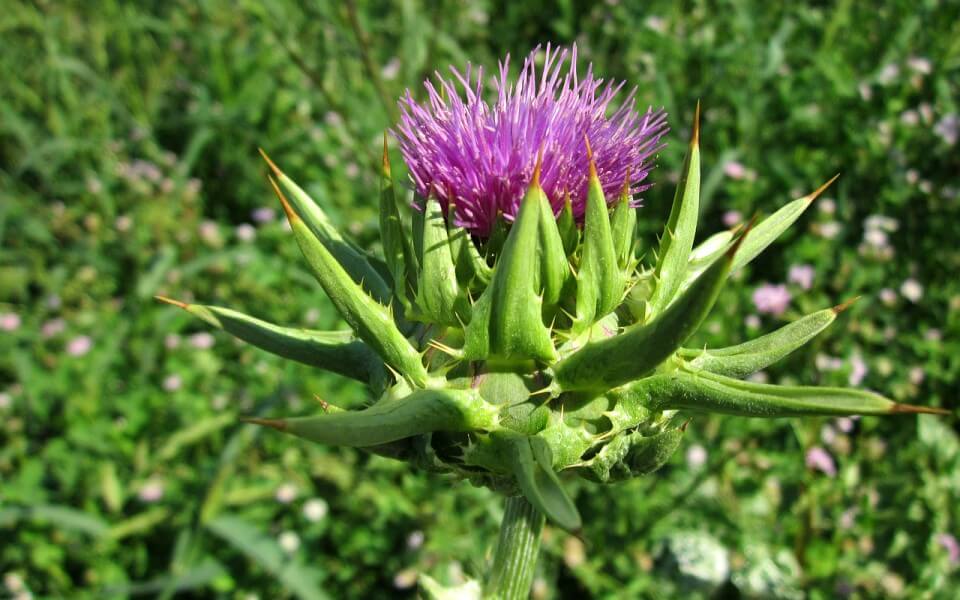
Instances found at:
x=278 y=424
x=445 y=349
x=593 y=165
x=683 y=427
x=273 y=167
x=914 y=409
x=541 y=391
x=625 y=192
x=813 y=195
x=695 y=136
x=287 y=209
x=323 y=403
x=845 y=305
x=176 y=303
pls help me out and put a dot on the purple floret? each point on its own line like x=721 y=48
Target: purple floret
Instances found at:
x=480 y=156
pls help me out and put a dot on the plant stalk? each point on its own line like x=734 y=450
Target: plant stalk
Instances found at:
x=517 y=550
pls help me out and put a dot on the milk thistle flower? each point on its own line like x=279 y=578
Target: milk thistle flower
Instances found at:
x=479 y=156
x=514 y=352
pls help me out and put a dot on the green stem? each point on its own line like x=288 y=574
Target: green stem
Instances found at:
x=517 y=550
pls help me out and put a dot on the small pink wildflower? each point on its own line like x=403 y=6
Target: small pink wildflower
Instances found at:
x=771 y=299
x=819 y=459
x=801 y=275
x=9 y=321
x=79 y=345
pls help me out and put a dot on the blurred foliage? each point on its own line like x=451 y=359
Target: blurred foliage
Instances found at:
x=128 y=167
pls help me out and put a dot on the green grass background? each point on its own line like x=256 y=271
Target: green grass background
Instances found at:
x=128 y=168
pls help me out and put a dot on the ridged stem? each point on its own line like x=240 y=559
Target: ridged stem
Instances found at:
x=517 y=550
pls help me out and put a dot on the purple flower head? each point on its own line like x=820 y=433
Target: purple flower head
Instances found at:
x=480 y=156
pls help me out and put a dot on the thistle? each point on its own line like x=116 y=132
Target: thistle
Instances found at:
x=511 y=334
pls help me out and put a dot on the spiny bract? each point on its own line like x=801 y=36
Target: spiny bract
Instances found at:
x=545 y=347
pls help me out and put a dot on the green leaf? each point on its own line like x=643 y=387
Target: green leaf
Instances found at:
x=701 y=391
x=600 y=282
x=397 y=247
x=372 y=322
x=743 y=359
x=423 y=411
x=353 y=260
x=607 y=363
x=677 y=239
x=507 y=323
x=299 y=578
x=438 y=295
x=532 y=464
x=769 y=229
x=336 y=351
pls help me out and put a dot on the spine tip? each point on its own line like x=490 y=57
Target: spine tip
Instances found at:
x=176 y=303
x=898 y=408
x=695 y=135
x=845 y=305
x=278 y=424
x=273 y=167
x=287 y=209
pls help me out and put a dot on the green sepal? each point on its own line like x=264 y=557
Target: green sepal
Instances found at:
x=743 y=359
x=700 y=391
x=623 y=224
x=397 y=248
x=506 y=322
x=423 y=411
x=439 y=299
x=567 y=225
x=607 y=363
x=497 y=238
x=552 y=258
x=531 y=462
x=473 y=272
x=768 y=230
x=678 y=235
x=336 y=351
x=354 y=261
x=600 y=282
x=372 y=321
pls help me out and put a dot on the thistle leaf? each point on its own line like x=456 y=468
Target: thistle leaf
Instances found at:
x=600 y=282
x=438 y=294
x=354 y=261
x=677 y=239
x=336 y=351
x=700 y=391
x=769 y=229
x=422 y=411
x=743 y=359
x=396 y=246
x=613 y=361
x=506 y=322
x=532 y=464
x=371 y=321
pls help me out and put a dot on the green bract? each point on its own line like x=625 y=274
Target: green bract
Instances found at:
x=546 y=349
